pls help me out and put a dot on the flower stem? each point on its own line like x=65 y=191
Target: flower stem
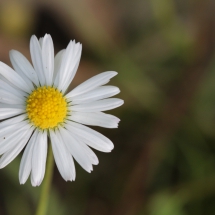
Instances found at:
x=45 y=190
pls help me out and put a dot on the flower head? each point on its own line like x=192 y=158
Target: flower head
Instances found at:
x=34 y=106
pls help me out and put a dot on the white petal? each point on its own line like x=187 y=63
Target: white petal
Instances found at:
x=25 y=164
x=76 y=150
x=96 y=94
x=20 y=63
x=12 y=121
x=48 y=58
x=10 y=140
x=39 y=159
x=8 y=132
x=13 y=106
x=9 y=112
x=21 y=73
x=89 y=152
x=36 y=56
x=41 y=41
x=13 y=77
x=9 y=98
x=57 y=64
x=63 y=159
x=92 y=83
x=11 y=154
x=92 y=138
x=68 y=68
x=78 y=50
x=101 y=105
x=96 y=119
x=4 y=84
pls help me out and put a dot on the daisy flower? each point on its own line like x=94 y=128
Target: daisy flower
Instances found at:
x=35 y=106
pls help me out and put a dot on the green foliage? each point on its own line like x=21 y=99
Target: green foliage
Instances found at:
x=167 y=204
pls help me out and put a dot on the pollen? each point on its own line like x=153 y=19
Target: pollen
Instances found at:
x=46 y=107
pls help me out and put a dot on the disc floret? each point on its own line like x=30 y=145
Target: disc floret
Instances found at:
x=46 y=107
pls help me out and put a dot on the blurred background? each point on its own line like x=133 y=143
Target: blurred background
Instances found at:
x=164 y=157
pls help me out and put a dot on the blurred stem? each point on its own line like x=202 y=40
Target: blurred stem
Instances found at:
x=45 y=190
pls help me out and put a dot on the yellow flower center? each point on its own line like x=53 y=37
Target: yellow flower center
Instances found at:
x=46 y=107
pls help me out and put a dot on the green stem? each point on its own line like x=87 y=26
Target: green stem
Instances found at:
x=45 y=190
